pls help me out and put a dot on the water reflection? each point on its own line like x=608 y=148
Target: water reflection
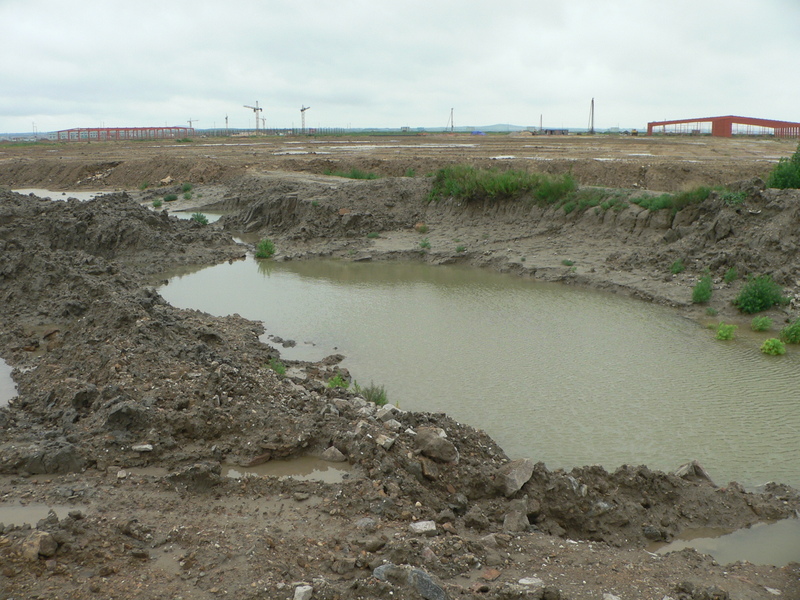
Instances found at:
x=8 y=389
x=554 y=373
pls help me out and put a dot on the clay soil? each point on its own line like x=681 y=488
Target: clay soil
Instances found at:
x=129 y=409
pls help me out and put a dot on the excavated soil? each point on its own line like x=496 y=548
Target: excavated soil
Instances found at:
x=130 y=410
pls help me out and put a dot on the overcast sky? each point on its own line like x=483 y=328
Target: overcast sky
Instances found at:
x=376 y=63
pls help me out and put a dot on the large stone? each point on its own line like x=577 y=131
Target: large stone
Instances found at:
x=303 y=592
x=513 y=475
x=425 y=586
x=333 y=454
x=39 y=543
x=432 y=445
x=423 y=528
x=476 y=519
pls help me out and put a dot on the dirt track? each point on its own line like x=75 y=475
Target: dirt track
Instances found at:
x=112 y=380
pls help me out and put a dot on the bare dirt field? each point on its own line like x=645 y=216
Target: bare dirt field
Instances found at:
x=129 y=410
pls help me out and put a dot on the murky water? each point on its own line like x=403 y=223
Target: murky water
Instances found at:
x=566 y=376
x=8 y=389
x=53 y=195
x=306 y=468
x=19 y=514
x=763 y=544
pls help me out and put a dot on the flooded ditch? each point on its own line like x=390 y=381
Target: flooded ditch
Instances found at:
x=562 y=375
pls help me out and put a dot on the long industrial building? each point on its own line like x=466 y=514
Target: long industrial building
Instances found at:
x=726 y=127
x=107 y=134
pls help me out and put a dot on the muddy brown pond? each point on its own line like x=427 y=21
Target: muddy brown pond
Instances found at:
x=566 y=376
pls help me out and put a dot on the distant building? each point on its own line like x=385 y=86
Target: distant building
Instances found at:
x=724 y=127
x=108 y=134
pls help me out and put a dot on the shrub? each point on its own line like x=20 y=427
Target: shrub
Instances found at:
x=373 y=235
x=199 y=217
x=569 y=207
x=760 y=323
x=410 y=172
x=567 y=262
x=732 y=198
x=702 y=290
x=338 y=382
x=144 y=185
x=265 y=248
x=421 y=228
x=186 y=187
x=711 y=311
x=372 y=393
x=773 y=346
x=170 y=197
x=677 y=267
x=786 y=174
x=425 y=244
x=277 y=366
x=730 y=275
x=726 y=332
x=157 y=203
x=791 y=333
x=461 y=249
x=187 y=195
x=759 y=293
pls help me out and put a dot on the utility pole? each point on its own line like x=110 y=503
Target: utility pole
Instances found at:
x=591 y=118
x=303 y=110
x=226 y=125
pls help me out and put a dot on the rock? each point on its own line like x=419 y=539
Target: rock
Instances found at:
x=333 y=454
x=432 y=445
x=303 y=592
x=127 y=416
x=386 y=412
x=142 y=448
x=425 y=586
x=384 y=441
x=39 y=543
x=392 y=573
x=531 y=582
x=58 y=457
x=516 y=520
x=198 y=477
x=693 y=471
x=608 y=596
x=427 y=528
x=476 y=519
x=513 y=475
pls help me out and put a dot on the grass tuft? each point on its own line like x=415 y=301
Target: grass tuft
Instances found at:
x=265 y=248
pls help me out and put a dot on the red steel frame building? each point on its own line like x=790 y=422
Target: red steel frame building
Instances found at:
x=723 y=126
x=103 y=134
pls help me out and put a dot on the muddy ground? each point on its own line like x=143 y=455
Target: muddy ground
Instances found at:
x=129 y=409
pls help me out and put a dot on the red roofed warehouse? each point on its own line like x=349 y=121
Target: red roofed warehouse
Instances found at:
x=724 y=126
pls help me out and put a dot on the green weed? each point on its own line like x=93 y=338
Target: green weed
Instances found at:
x=761 y=324
x=277 y=366
x=461 y=249
x=711 y=311
x=730 y=275
x=170 y=197
x=791 y=333
x=759 y=293
x=187 y=195
x=144 y=185
x=567 y=262
x=677 y=267
x=186 y=187
x=199 y=217
x=701 y=293
x=338 y=382
x=157 y=203
x=726 y=332
x=373 y=235
x=354 y=173
x=265 y=248
x=773 y=347
x=786 y=174
x=410 y=172
x=372 y=393
x=425 y=244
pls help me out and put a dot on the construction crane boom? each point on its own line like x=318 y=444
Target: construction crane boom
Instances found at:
x=303 y=110
x=256 y=109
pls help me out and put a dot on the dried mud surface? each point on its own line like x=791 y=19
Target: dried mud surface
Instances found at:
x=129 y=409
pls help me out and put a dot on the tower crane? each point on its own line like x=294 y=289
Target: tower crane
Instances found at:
x=256 y=109
x=303 y=110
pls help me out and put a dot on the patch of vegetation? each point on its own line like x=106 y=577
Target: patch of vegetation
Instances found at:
x=786 y=174
x=187 y=195
x=730 y=275
x=278 y=367
x=421 y=228
x=464 y=182
x=677 y=267
x=732 y=198
x=338 y=382
x=701 y=293
x=170 y=197
x=711 y=311
x=157 y=203
x=144 y=185
x=425 y=244
x=726 y=332
x=759 y=293
x=186 y=187
x=791 y=333
x=461 y=249
x=675 y=202
x=410 y=172
x=184 y=140
x=761 y=324
x=569 y=206
x=372 y=393
x=567 y=262
x=265 y=248
x=354 y=173
x=199 y=217
x=315 y=203
x=773 y=347
x=373 y=235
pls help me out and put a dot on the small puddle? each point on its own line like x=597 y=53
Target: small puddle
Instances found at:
x=83 y=196
x=775 y=544
x=306 y=468
x=30 y=514
x=187 y=214
x=8 y=389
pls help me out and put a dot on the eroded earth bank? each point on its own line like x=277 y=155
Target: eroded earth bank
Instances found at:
x=129 y=411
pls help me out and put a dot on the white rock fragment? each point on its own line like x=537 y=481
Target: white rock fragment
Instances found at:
x=427 y=528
